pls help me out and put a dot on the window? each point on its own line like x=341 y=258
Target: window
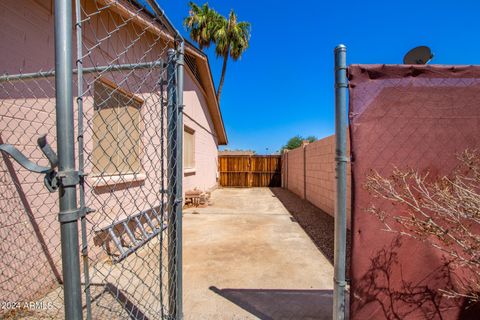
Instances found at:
x=116 y=130
x=188 y=149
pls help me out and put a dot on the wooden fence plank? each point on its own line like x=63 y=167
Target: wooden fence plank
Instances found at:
x=250 y=171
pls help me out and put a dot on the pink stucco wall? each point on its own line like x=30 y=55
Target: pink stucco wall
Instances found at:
x=197 y=117
x=29 y=230
x=27 y=210
x=309 y=172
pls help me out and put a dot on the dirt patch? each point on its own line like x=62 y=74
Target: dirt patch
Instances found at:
x=319 y=225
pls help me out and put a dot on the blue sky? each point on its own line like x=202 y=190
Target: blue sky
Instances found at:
x=283 y=85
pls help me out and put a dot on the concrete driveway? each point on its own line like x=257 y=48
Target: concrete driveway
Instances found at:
x=245 y=257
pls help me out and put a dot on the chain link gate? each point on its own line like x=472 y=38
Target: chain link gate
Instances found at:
x=116 y=252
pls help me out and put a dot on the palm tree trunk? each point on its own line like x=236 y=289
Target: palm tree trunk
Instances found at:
x=222 y=78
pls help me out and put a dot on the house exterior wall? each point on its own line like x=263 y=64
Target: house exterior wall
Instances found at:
x=26 y=112
x=309 y=172
x=197 y=118
x=30 y=255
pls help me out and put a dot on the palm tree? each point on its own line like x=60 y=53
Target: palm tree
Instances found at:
x=231 y=37
x=202 y=23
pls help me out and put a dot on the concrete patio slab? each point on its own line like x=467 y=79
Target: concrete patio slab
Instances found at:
x=246 y=258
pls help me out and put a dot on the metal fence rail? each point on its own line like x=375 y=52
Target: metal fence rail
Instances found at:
x=114 y=249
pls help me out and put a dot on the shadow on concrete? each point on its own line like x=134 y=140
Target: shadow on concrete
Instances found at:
x=273 y=304
x=133 y=311
x=318 y=225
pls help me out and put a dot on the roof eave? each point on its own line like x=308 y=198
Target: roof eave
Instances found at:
x=212 y=101
x=209 y=86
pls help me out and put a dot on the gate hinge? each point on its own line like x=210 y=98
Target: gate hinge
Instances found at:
x=53 y=180
x=74 y=215
x=179 y=61
x=69 y=178
x=340 y=283
x=342 y=159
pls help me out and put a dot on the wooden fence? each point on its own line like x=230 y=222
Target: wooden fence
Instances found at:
x=250 y=171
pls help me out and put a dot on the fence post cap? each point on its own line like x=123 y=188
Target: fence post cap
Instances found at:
x=340 y=47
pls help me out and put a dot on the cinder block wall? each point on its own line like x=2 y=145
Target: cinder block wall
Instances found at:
x=295 y=169
x=309 y=172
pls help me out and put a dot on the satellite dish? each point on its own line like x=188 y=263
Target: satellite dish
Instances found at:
x=418 y=55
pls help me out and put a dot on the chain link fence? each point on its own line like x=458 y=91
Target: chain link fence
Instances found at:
x=127 y=101
x=30 y=255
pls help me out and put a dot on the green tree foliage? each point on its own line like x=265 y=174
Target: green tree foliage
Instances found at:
x=296 y=142
x=230 y=36
x=202 y=22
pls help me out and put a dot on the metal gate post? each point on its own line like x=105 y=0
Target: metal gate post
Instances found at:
x=172 y=176
x=341 y=181
x=67 y=175
x=81 y=158
x=179 y=190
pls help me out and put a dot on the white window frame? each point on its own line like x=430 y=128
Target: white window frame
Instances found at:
x=192 y=169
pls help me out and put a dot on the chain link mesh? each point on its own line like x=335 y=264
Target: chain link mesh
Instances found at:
x=124 y=146
x=30 y=252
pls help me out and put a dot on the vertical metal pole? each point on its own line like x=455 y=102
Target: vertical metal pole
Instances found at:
x=179 y=190
x=81 y=160
x=172 y=167
x=162 y=188
x=66 y=160
x=341 y=181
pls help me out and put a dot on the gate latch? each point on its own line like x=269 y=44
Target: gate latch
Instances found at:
x=52 y=179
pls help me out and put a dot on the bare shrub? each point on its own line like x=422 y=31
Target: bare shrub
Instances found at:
x=441 y=211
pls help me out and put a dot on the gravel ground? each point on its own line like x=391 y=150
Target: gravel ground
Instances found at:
x=317 y=224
